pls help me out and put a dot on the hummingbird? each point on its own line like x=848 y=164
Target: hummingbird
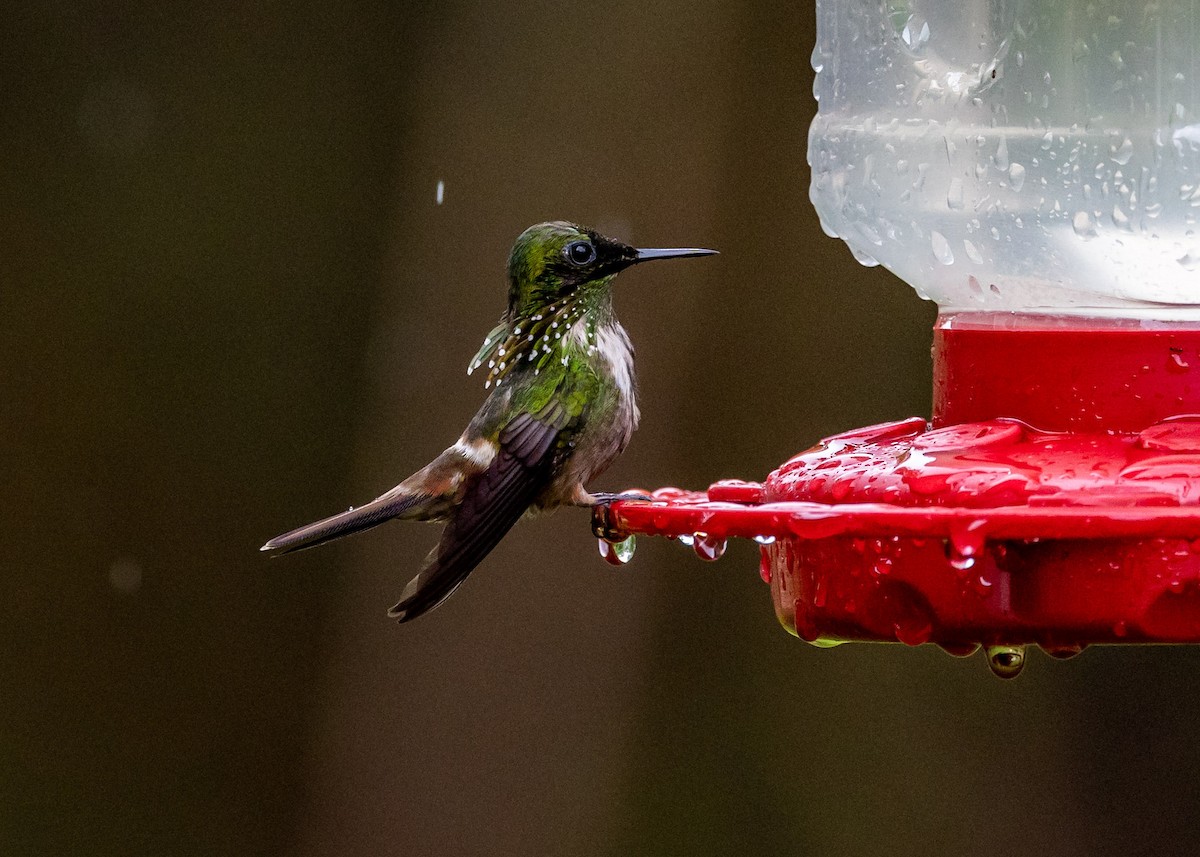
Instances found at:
x=562 y=406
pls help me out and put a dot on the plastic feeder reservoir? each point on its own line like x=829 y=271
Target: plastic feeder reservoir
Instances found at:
x=1034 y=168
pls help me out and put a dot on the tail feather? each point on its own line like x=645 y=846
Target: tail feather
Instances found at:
x=378 y=511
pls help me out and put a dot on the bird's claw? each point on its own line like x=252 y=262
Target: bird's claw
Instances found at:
x=603 y=524
x=605 y=499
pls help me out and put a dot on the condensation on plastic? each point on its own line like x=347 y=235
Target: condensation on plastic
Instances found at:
x=1014 y=154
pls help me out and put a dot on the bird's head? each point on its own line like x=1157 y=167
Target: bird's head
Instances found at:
x=558 y=263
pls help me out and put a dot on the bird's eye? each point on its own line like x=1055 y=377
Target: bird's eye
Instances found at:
x=580 y=252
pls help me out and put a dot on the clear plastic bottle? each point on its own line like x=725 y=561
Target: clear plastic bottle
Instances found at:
x=1015 y=154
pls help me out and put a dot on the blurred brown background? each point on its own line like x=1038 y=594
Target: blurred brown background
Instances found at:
x=229 y=303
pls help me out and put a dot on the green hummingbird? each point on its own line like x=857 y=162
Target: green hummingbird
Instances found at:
x=562 y=407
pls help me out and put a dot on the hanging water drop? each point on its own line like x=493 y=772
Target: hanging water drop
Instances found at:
x=764 y=567
x=709 y=548
x=1062 y=652
x=617 y=553
x=1006 y=661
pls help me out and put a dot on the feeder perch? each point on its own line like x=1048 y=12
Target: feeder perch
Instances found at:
x=1046 y=195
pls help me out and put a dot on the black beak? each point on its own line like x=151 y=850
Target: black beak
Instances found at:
x=676 y=253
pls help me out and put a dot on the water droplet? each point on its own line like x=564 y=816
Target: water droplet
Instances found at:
x=825 y=642
x=1120 y=629
x=913 y=633
x=1006 y=661
x=1189 y=260
x=1064 y=651
x=764 y=567
x=1120 y=219
x=958 y=561
x=1083 y=225
x=765 y=540
x=958 y=649
x=1047 y=140
x=686 y=539
x=1121 y=154
x=1016 y=176
x=954 y=196
x=965 y=543
x=1001 y=157
x=617 y=553
x=709 y=548
x=941 y=248
x=972 y=252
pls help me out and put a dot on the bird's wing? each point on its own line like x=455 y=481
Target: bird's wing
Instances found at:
x=492 y=501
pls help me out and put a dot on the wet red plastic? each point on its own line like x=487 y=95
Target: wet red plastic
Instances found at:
x=1055 y=500
x=1062 y=374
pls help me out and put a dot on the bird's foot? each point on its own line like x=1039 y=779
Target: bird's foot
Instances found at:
x=603 y=524
x=603 y=499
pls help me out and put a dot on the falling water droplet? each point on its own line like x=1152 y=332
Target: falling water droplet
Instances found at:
x=617 y=553
x=941 y=248
x=709 y=548
x=1006 y=661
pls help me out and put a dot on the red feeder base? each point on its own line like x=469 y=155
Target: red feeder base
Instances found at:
x=981 y=529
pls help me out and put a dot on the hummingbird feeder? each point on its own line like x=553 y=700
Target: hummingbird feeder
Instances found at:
x=1035 y=170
